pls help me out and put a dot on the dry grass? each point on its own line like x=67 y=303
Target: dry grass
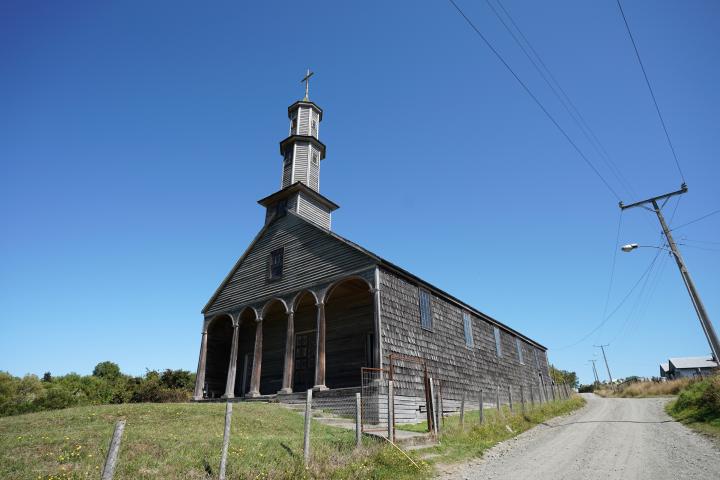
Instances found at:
x=647 y=389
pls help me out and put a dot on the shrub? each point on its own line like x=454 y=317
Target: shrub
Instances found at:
x=700 y=401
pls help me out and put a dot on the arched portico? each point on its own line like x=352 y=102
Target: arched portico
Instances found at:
x=274 y=328
x=247 y=323
x=350 y=338
x=304 y=344
x=219 y=346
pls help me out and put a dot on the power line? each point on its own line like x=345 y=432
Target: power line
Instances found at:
x=652 y=94
x=564 y=100
x=612 y=271
x=535 y=99
x=622 y=302
x=696 y=220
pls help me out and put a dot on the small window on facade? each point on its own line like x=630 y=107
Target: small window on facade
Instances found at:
x=467 y=327
x=498 y=345
x=518 y=344
x=315 y=158
x=314 y=128
x=293 y=126
x=288 y=156
x=425 y=310
x=276 y=263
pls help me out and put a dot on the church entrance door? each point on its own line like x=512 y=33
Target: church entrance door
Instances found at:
x=304 y=375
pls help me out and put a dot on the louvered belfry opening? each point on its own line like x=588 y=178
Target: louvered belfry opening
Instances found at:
x=349 y=333
x=246 y=349
x=219 y=344
x=273 y=347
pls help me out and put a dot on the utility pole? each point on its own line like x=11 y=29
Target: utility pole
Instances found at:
x=705 y=322
x=602 y=347
x=597 y=379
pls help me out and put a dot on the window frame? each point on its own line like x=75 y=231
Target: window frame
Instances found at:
x=467 y=330
x=429 y=313
x=272 y=276
x=498 y=342
x=518 y=346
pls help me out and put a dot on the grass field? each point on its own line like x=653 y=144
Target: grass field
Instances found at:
x=183 y=441
x=457 y=444
x=698 y=406
x=646 y=389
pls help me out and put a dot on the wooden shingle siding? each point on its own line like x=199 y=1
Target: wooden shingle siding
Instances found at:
x=310 y=257
x=313 y=212
x=460 y=368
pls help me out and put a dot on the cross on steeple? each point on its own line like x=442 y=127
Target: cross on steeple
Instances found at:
x=306 y=80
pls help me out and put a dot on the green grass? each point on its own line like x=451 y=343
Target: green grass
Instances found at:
x=183 y=441
x=458 y=444
x=698 y=406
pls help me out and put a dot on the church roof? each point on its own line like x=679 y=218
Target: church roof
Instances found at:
x=298 y=187
x=381 y=262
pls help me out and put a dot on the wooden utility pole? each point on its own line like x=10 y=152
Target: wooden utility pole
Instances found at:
x=705 y=322
x=597 y=379
x=602 y=347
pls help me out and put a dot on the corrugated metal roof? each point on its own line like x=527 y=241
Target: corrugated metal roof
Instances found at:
x=693 y=362
x=664 y=367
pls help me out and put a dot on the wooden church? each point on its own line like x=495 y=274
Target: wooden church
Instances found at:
x=306 y=308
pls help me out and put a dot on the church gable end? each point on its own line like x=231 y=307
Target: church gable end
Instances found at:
x=310 y=256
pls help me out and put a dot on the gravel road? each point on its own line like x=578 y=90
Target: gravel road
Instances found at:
x=610 y=438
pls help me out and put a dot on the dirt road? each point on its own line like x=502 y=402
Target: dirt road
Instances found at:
x=610 y=438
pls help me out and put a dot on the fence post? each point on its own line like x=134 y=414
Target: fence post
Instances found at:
x=482 y=410
x=532 y=397
x=308 y=418
x=391 y=412
x=113 y=450
x=522 y=398
x=510 y=398
x=438 y=409
x=226 y=440
x=358 y=421
x=462 y=412
x=497 y=398
x=433 y=406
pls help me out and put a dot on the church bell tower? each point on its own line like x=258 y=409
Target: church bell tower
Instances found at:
x=302 y=152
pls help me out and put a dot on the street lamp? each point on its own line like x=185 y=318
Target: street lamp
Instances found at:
x=705 y=322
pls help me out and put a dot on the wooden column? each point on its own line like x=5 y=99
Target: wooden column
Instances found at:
x=320 y=352
x=377 y=317
x=230 y=383
x=257 y=361
x=289 y=354
x=200 y=376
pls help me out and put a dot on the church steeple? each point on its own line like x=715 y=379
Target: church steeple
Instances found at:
x=302 y=151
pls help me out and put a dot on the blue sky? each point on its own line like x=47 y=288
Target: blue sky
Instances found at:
x=136 y=137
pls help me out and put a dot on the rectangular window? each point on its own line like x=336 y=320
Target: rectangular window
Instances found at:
x=276 y=263
x=280 y=208
x=498 y=345
x=518 y=344
x=467 y=326
x=425 y=310
x=314 y=128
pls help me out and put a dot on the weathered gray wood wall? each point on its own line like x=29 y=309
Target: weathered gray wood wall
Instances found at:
x=449 y=359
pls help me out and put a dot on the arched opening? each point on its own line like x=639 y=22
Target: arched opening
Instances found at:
x=246 y=351
x=305 y=342
x=219 y=344
x=273 y=347
x=350 y=333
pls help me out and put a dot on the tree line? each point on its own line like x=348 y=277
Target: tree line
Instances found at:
x=107 y=384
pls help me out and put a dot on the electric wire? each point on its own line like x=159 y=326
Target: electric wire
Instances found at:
x=696 y=220
x=615 y=310
x=652 y=94
x=561 y=95
x=612 y=270
x=535 y=99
